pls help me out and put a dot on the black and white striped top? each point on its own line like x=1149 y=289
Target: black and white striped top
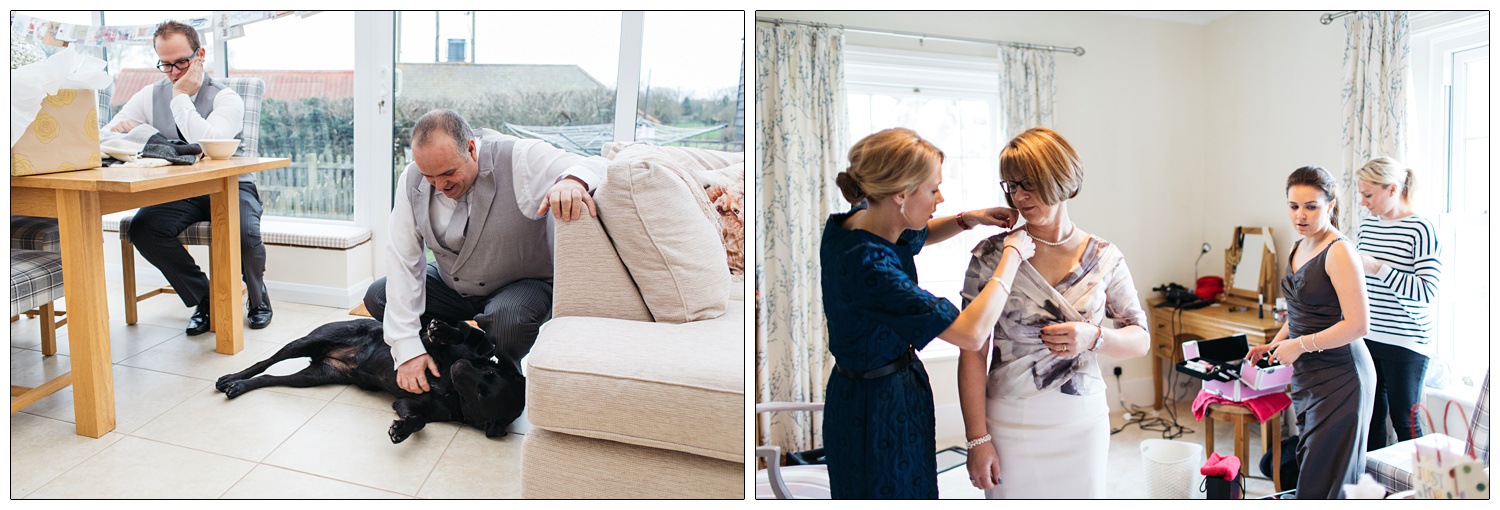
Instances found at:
x=1403 y=291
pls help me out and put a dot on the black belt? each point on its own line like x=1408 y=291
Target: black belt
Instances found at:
x=888 y=369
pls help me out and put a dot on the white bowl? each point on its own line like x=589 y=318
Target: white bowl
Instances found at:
x=219 y=149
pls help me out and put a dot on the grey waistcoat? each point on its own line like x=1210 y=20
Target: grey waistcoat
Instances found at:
x=161 y=112
x=501 y=245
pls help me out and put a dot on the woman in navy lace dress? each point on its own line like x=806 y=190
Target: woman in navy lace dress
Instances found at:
x=878 y=422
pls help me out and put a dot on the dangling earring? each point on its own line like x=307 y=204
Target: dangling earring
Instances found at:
x=903 y=208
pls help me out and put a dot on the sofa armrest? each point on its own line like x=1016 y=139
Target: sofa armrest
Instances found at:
x=588 y=278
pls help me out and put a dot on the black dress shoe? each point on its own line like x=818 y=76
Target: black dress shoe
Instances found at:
x=198 y=323
x=260 y=316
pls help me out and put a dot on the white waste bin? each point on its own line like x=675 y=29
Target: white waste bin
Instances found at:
x=1171 y=468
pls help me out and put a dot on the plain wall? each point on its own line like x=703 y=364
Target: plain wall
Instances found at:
x=1185 y=131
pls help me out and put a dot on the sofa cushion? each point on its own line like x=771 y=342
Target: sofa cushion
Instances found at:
x=672 y=250
x=678 y=387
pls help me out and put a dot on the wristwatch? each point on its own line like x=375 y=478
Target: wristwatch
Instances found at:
x=961 y=223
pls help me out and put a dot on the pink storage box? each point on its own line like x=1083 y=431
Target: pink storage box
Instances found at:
x=1251 y=381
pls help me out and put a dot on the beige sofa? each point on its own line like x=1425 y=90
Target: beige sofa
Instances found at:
x=636 y=387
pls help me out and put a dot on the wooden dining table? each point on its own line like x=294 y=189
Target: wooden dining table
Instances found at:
x=79 y=199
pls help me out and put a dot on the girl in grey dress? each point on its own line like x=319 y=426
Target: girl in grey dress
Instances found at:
x=1333 y=386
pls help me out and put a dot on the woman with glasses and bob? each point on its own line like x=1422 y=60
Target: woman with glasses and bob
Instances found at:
x=878 y=426
x=1036 y=417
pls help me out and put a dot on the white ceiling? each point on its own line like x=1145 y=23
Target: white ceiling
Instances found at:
x=1191 y=17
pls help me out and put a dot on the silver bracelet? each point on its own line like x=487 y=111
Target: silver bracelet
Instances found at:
x=1003 y=286
x=976 y=442
x=1099 y=341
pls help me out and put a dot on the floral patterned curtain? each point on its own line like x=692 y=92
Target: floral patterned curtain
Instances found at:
x=1376 y=71
x=1027 y=90
x=801 y=145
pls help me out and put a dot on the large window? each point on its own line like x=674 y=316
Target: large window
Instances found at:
x=548 y=75
x=953 y=102
x=307 y=113
x=691 y=70
x=1450 y=53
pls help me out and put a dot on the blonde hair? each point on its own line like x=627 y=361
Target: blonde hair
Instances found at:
x=888 y=162
x=1044 y=158
x=1384 y=171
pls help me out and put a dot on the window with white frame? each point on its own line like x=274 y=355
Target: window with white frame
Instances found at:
x=952 y=101
x=1450 y=153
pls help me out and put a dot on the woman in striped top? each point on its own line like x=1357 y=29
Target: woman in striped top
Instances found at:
x=1400 y=254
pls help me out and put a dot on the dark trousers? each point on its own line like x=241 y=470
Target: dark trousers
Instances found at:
x=1399 y=374
x=510 y=317
x=154 y=233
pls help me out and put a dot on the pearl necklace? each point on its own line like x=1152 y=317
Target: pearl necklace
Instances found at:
x=1060 y=242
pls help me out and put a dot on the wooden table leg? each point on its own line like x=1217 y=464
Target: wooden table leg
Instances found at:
x=1242 y=441
x=1208 y=432
x=1275 y=426
x=224 y=267
x=1156 y=380
x=82 y=233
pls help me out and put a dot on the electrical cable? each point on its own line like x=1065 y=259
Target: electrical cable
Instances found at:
x=1172 y=429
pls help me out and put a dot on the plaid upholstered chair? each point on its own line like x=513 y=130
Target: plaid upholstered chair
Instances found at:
x=1393 y=465
x=35 y=282
x=252 y=90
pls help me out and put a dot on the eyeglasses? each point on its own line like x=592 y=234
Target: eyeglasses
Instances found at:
x=1010 y=187
x=181 y=65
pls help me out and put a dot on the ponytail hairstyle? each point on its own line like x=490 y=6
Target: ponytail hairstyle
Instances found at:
x=886 y=163
x=1319 y=178
x=1385 y=171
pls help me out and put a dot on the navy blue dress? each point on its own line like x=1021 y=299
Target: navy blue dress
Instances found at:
x=879 y=434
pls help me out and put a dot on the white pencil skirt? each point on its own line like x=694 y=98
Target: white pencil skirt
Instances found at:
x=1053 y=446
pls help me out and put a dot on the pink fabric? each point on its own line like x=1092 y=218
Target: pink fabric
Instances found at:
x=1220 y=466
x=1263 y=406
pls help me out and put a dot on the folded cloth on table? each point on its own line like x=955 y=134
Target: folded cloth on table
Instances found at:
x=1263 y=406
x=1221 y=466
x=125 y=146
x=177 y=152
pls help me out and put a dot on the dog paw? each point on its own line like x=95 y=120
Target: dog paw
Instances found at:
x=223 y=383
x=398 y=433
x=234 y=389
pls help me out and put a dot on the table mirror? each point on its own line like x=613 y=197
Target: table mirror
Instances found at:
x=1250 y=265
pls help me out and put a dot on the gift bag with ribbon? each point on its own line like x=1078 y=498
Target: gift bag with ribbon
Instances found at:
x=1442 y=470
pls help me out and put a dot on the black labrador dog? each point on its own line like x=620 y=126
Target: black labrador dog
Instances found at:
x=471 y=388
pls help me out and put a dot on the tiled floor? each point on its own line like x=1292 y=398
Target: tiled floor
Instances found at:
x=177 y=437
x=1126 y=472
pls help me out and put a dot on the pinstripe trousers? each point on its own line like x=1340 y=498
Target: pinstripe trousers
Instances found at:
x=510 y=317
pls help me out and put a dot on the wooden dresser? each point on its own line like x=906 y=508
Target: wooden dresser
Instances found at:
x=1209 y=322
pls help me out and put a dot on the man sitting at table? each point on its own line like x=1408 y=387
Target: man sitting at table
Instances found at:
x=190 y=106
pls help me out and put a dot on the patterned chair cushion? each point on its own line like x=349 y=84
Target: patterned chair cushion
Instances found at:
x=1480 y=443
x=35 y=279
x=252 y=90
x=198 y=233
x=34 y=233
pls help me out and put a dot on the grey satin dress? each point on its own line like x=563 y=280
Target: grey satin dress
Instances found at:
x=1333 y=391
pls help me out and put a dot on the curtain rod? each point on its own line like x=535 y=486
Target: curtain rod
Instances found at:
x=1328 y=17
x=1077 y=50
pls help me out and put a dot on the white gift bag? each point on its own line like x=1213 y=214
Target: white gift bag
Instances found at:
x=1441 y=469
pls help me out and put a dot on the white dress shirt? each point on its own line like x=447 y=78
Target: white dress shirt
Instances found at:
x=225 y=121
x=535 y=167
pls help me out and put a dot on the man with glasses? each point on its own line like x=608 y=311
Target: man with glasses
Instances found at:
x=188 y=105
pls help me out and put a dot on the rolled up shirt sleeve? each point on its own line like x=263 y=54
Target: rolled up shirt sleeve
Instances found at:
x=225 y=121
x=537 y=165
x=405 y=282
